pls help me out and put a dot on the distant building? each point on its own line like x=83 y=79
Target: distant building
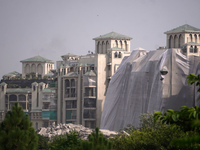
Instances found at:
x=185 y=37
x=74 y=92
x=36 y=67
x=83 y=80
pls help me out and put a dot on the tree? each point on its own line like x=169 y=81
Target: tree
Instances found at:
x=68 y=141
x=96 y=141
x=17 y=132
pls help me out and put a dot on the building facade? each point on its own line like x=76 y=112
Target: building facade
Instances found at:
x=185 y=37
x=75 y=91
x=83 y=80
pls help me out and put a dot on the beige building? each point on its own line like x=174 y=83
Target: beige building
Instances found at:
x=36 y=67
x=185 y=37
x=76 y=90
x=83 y=80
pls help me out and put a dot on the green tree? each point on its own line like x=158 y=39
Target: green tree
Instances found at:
x=96 y=141
x=69 y=141
x=17 y=132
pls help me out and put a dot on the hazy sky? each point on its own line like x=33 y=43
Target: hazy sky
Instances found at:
x=51 y=28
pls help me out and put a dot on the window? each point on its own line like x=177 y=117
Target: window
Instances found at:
x=72 y=83
x=89 y=102
x=120 y=55
x=73 y=94
x=13 y=98
x=90 y=124
x=115 y=54
x=71 y=114
x=22 y=98
x=191 y=49
x=195 y=49
x=66 y=92
x=71 y=104
x=46 y=105
x=2 y=88
x=89 y=91
x=89 y=113
x=67 y=83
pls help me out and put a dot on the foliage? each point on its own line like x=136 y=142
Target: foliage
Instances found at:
x=160 y=138
x=69 y=141
x=96 y=141
x=17 y=132
x=183 y=119
x=42 y=142
x=192 y=78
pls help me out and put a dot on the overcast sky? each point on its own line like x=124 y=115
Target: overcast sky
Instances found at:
x=51 y=28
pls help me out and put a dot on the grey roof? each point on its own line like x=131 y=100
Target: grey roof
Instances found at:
x=37 y=59
x=47 y=90
x=90 y=73
x=13 y=73
x=34 y=83
x=113 y=35
x=71 y=74
x=192 y=43
x=183 y=28
x=18 y=90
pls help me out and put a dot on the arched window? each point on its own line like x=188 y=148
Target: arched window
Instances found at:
x=175 y=41
x=126 y=46
x=191 y=49
x=116 y=43
x=195 y=49
x=39 y=69
x=121 y=45
x=180 y=41
x=27 y=68
x=67 y=84
x=120 y=55
x=115 y=54
x=13 y=98
x=102 y=47
x=33 y=68
x=199 y=38
x=195 y=38
x=98 y=47
x=72 y=83
x=107 y=46
x=170 y=41
x=191 y=40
